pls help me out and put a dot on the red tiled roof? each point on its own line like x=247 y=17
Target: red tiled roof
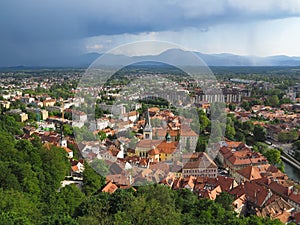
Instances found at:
x=234 y=144
x=211 y=194
x=160 y=166
x=279 y=188
x=224 y=150
x=168 y=147
x=297 y=215
x=75 y=168
x=276 y=208
x=110 y=187
x=188 y=133
x=190 y=181
x=255 y=193
x=238 y=191
x=295 y=198
x=203 y=161
x=263 y=181
x=153 y=109
x=245 y=157
x=250 y=172
x=148 y=143
x=225 y=183
x=154 y=151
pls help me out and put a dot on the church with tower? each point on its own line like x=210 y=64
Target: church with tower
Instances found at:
x=147 y=131
x=157 y=150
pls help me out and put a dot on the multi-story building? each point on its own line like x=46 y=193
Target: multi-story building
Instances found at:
x=199 y=164
x=226 y=95
x=234 y=159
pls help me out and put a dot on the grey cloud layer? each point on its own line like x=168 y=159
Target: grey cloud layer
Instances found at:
x=30 y=24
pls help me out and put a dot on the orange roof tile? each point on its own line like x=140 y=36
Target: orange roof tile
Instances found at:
x=250 y=172
x=203 y=161
x=297 y=215
x=225 y=183
x=238 y=191
x=295 y=198
x=234 y=144
x=280 y=188
x=153 y=109
x=75 y=168
x=154 y=151
x=110 y=187
x=168 y=147
x=148 y=143
x=188 y=133
x=256 y=193
x=67 y=149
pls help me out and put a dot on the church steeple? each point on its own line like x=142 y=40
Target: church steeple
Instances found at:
x=168 y=137
x=147 y=128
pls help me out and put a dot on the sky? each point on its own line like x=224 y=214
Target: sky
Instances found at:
x=34 y=32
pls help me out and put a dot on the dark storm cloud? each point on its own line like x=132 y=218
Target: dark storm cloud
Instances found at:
x=33 y=29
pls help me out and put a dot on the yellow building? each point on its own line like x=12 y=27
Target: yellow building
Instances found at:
x=159 y=150
x=23 y=117
x=144 y=146
x=5 y=104
x=49 y=102
x=44 y=114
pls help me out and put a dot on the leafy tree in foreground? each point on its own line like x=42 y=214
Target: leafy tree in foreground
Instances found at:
x=148 y=211
x=225 y=200
x=95 y=210
x=259 y=133
x=92 y=181
x=296 y=145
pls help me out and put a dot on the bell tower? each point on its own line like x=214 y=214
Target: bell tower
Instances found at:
x=147 y=131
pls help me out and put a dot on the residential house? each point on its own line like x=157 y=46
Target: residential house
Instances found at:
x=239 y=205
x=257 y=195
x=5 y=104
x=132 y=116
x=276 y=208
x=102 y=123
x=143 y=146
x=236 y=160
x=247 y=174
x=294 y=200
x=79 y=116
x=109 y=187
x=188 y=137
x=44 y=114
x=211 y=194
x=49 y=102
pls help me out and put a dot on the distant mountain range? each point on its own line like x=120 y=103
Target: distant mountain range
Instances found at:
x=223 y=59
